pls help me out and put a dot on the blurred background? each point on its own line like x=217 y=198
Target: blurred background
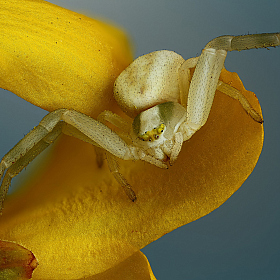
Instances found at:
x=239 y=240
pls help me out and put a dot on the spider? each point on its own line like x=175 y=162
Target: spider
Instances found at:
x=166 y=104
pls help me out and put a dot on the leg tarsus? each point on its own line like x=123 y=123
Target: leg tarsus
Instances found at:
x=114 y=168
x=245 y=42
x=178 y=142
x=23 y=160
x=236 y=94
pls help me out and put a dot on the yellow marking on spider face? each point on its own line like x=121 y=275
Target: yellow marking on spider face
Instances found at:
x=153 y=134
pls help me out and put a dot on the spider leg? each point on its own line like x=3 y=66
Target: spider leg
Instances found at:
x=245 y=42
x=178 y=142
x=206 y=76
x=202 y=89
x=108 y=116
x=16 y=167
x=74 y=132
x=45 y=127
x=103 y=137
x=239 y=43
x=236 y=94
x=117 y=121
x=185 y=79
x=73 y=123
x=70 y=130
x=100 y=134
x=32 y=138
x=114 y=168
x=150 y=159
x=125 y=129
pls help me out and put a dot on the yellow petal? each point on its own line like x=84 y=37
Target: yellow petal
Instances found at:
x=135 y=267
x=78 y=221
x=18 y=263
x=55 y=58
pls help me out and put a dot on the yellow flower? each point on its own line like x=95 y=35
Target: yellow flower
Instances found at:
x=42 y=44
x=74 y=217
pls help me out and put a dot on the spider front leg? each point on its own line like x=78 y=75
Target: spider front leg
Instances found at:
x=202 y=90
x=114 y=169
x=102 y=136
x=27 y=149
x=205 y=79
x=75 y=124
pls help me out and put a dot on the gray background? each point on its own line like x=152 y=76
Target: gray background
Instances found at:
x=240 y=240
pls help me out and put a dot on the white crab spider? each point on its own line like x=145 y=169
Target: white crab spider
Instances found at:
x=157 y=91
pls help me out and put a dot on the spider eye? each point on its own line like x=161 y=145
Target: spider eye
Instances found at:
x=153 y=134
x=160 y=128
